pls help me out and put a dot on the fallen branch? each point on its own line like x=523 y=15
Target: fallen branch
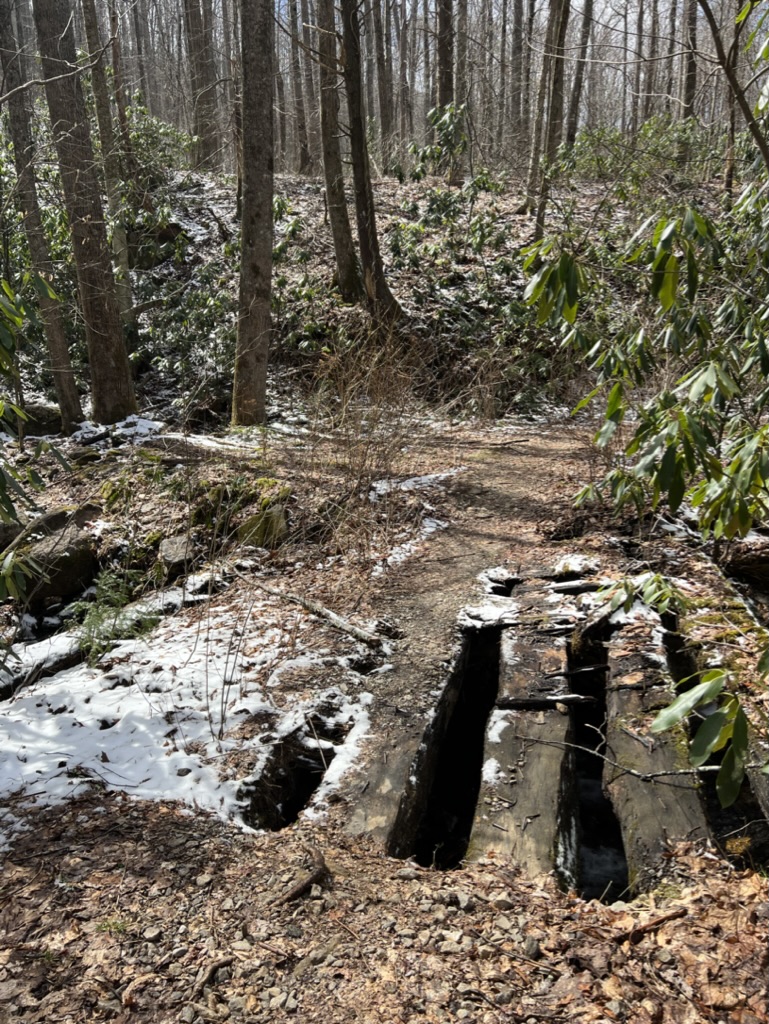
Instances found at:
x=635 y=934
x=318 y=876
x=643 y=776
x=207 y=974
x=370 y=639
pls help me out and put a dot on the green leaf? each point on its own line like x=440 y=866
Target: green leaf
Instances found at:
x=614 y=402
x=683 y=704
x=583 y=402
x=666 y=294
x=712 y=735
x=606 y=433
x=677 y=488
x=740 y=736
x=729 y=778
x=692 y=275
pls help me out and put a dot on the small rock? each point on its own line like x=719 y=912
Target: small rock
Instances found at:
x=450 y=947
x=501 y=903
x=203 y=880
x=532 y=948
x=227 y=904
x=487 y=952
x=291 y=1005
x=152 y=934
x=187 y=1015
x=504 y=996
x=408 y=873
x=503 y=923
x=279 y=1001
x=242 y=945
x=465 y=902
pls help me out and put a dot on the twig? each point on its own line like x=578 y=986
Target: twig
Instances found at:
x=635 y=934
x=208 y=974
x=643 y=776
x=318 y=609
x=319 y=874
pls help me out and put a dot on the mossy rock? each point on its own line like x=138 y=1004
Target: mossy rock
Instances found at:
x=267 y=528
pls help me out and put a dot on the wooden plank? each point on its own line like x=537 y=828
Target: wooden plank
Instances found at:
x=526 y=783
x=526 y=786
x=655 y=811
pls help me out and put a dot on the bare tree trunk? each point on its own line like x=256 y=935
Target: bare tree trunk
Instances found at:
x=280 y=87
x=690 y=59
x=26 y=190
x=382 y=304
x=344 y=250
x=527 y=75
x=131 y=168
x=300 y=115
x=516 y=70
x=111 y=164
x=384 y=87
x=202 y=75
x=461 y=84
x=650 y=86
x=428 y=64
x=445 y=52
x=670 y=55
x=370 y=66
x=311 y=103
x=635 y=101
x=112 y=388
x=572 y=121
x=249 y=392
x=404 y=97
x=139 y=12
x=502 y=100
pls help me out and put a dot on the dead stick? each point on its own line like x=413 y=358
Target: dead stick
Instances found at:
x=208 y=974
x=318 y=609
x=635 y=934
x=319 y=874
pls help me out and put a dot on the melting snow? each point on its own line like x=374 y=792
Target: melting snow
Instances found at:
x=156 y=721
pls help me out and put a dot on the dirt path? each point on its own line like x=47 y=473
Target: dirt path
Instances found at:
x=114 y=910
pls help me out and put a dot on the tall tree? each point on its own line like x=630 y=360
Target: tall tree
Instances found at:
x=254 y=319
x=445 y=52
x=384 y=86
x=26 y=189
x=690 y=59
x=382 y=304
x=304 y=156
x=198 y=25
x=572 y=120
x=341 y=233
x=111 y=164
x=112 y=388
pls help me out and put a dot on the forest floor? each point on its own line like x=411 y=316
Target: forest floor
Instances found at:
x=118 y=908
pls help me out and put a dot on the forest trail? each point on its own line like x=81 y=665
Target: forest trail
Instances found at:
x=119 y=909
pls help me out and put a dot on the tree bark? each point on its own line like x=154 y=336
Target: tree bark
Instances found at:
x=254 y=323
x=112 y=388
x=131 y=168
x=311 y=103
x=382 y=304
x=111 y=164
x=572 y=121
x=559 y=11
x=635 y=101
x=690 y=59
x=26 y=190
x=344 y=250
x=384 y=87
x=203 y=82
x=445 y=52
x=304 y=158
